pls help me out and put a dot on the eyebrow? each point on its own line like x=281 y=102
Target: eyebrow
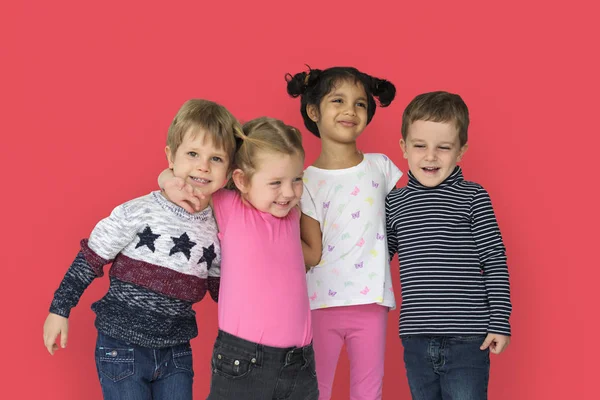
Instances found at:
x=279 y=178
x=214 y=152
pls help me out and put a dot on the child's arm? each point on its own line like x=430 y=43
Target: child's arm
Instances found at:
x=312 y=245
x=109 y=237
x=177 y=191
x=78 y=277
x=492 y=257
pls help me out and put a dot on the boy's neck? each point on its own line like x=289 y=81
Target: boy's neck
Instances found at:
x=338 y=155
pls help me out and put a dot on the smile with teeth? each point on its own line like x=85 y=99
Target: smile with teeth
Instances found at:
x=282 y=203
x=430 y=169
x=200 y=180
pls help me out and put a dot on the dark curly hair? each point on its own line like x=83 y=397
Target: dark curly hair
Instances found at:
x=314 y=84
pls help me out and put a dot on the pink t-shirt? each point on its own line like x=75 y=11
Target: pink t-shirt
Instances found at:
x=263 y=296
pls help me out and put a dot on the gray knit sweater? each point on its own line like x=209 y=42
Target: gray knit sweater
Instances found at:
x=163 y=260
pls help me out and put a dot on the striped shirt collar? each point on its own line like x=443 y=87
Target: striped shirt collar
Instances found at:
x=455 y=177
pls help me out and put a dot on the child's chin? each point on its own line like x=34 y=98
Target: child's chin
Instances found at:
x=280 y=213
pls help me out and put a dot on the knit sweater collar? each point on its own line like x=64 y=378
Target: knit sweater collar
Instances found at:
x=455 y=177
x=179 y=211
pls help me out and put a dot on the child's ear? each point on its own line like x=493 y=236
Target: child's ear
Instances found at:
x=462 y=152
x=403 y=147
x=313 y=112
x=239 y=178
x=170 y=156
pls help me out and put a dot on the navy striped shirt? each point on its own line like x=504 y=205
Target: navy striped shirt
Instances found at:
x=453 y=270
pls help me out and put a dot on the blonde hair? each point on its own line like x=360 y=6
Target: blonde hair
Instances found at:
x=264 y=135
x=215 y=119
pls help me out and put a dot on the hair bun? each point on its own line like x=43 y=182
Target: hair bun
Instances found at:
x=385 y=91
x=296 y=84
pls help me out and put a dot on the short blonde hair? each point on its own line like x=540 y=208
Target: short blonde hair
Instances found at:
x=264 y=134
x=196 y=114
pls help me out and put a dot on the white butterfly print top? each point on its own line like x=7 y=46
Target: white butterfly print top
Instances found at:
x=349 y=205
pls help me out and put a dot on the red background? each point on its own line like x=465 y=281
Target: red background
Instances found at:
x=88 y=90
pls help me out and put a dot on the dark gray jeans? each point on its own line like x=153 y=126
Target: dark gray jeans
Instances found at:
x=245 y=370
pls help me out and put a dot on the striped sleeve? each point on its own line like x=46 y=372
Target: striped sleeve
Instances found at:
x=492 y=258
x=78 y=277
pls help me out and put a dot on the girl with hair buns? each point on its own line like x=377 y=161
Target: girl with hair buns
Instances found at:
x=343 y=226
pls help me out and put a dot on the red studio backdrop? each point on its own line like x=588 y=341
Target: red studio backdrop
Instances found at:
x=88 y=90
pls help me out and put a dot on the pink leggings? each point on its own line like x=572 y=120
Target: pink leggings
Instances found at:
x=362 y=328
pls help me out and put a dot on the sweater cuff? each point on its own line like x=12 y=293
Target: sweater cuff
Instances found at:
x=58 y=309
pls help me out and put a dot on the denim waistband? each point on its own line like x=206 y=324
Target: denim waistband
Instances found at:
x=262 y=353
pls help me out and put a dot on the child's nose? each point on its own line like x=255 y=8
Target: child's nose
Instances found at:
x=203 y=165
x=431 y=154
x=288 y=191
x=350 y=110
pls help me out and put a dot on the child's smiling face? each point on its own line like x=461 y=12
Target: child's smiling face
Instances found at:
x=199 y=162
x=342 y=114
x=432 y=149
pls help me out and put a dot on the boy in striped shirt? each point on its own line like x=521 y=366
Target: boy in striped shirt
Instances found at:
x=453 y=273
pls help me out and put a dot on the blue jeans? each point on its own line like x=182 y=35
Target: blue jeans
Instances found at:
x=243 y=370
x=446 y=367
x=130 y=372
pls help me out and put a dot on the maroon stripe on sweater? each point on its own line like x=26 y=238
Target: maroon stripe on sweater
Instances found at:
x=159 y=279
x=94 y=260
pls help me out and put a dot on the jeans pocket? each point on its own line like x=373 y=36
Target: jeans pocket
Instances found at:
x=231 y=363
x=467 y=339
x=182 y=358
x=115 y=363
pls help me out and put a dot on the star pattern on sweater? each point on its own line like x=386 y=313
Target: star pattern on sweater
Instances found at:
x=183 y=244
x=147 y=238
x=208 y=255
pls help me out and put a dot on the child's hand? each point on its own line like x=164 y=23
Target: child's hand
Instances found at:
x=183 y=194
x=495 y=342
x=55 y=325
